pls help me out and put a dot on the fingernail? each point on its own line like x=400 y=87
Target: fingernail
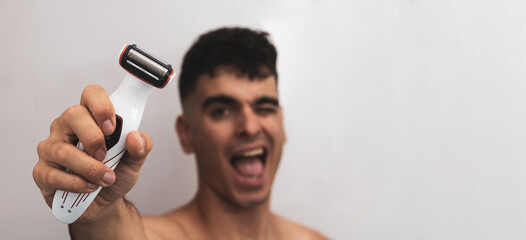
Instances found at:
x=108 y=178
x=100 y=154
x=141 y=140
x=107 y=127
x=92 y=186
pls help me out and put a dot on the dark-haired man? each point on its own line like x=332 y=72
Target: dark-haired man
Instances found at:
x=232 y=121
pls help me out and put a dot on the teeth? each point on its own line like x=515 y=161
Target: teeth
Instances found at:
x=252 y=153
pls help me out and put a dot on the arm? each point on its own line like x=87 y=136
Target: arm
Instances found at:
x=119 y=221
x=109 y=216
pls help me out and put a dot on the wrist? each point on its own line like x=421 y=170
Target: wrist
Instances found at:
x=97 y=214
x=115 y=221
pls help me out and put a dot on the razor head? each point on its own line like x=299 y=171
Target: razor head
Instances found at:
x=145 y=66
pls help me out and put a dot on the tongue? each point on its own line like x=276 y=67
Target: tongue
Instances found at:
x=249 y=167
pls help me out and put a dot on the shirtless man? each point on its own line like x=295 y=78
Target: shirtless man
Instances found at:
x=232 y=121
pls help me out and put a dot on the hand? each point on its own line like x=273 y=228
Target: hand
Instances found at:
x=88 y=123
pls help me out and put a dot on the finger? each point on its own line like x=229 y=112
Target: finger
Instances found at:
x=77 y=121
x=68 y=156
x=49 y=179
x=98 y=102
x=138 y=145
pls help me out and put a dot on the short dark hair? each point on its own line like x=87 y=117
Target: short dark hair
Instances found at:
x=247 y=51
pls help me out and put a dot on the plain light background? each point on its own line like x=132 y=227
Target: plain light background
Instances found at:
x=405 y=118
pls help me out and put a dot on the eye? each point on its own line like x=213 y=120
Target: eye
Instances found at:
x=220 y=112
x=265 y=110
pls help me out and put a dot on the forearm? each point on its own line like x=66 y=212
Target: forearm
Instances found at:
x=120 y=221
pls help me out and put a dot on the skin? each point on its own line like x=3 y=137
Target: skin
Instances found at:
x=225 y=115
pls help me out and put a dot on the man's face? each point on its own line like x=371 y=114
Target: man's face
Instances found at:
x=235 y=127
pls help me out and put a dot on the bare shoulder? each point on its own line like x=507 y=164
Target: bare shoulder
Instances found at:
x=161 y=227
x=180 y=223
x=292 y=230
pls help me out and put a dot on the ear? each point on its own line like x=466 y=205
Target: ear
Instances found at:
x=185 y=136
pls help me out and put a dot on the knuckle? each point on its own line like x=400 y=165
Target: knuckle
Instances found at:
x=53 y=125
x=106 y=109
x=102 y=111
x=74 y=111
x=77 y=185
x=61 y=153
x=41 y=147
x=93 y=140
x=51 y=179
x=89 y=89
x=94 y=172
x=36 y=170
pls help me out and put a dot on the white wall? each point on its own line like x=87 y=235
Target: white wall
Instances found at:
x=406 y=118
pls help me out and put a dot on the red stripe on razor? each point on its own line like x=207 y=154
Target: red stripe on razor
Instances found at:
x=86 y=197
x=84 y=194
x=114 y=156
x=65 y=198
x=75 y=201
x=115 y=163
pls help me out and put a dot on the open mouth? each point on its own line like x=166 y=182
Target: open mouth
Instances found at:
x=250 y=165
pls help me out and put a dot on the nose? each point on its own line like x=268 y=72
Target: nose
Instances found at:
x=248 y=123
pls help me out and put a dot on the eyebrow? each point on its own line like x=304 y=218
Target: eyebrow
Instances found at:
x=267 y=100
x=225 y=99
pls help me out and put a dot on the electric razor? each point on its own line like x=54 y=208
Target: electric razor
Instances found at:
x=129 y=100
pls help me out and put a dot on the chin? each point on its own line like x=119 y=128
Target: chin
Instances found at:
x=251 y=200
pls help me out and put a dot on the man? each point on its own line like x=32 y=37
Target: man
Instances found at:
x=231 y=121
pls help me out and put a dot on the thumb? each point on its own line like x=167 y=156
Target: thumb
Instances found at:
x=138 y=145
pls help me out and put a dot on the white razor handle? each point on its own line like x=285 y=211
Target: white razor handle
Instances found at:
x=128 y=101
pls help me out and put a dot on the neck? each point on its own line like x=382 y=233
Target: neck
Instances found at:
x=226 y=220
